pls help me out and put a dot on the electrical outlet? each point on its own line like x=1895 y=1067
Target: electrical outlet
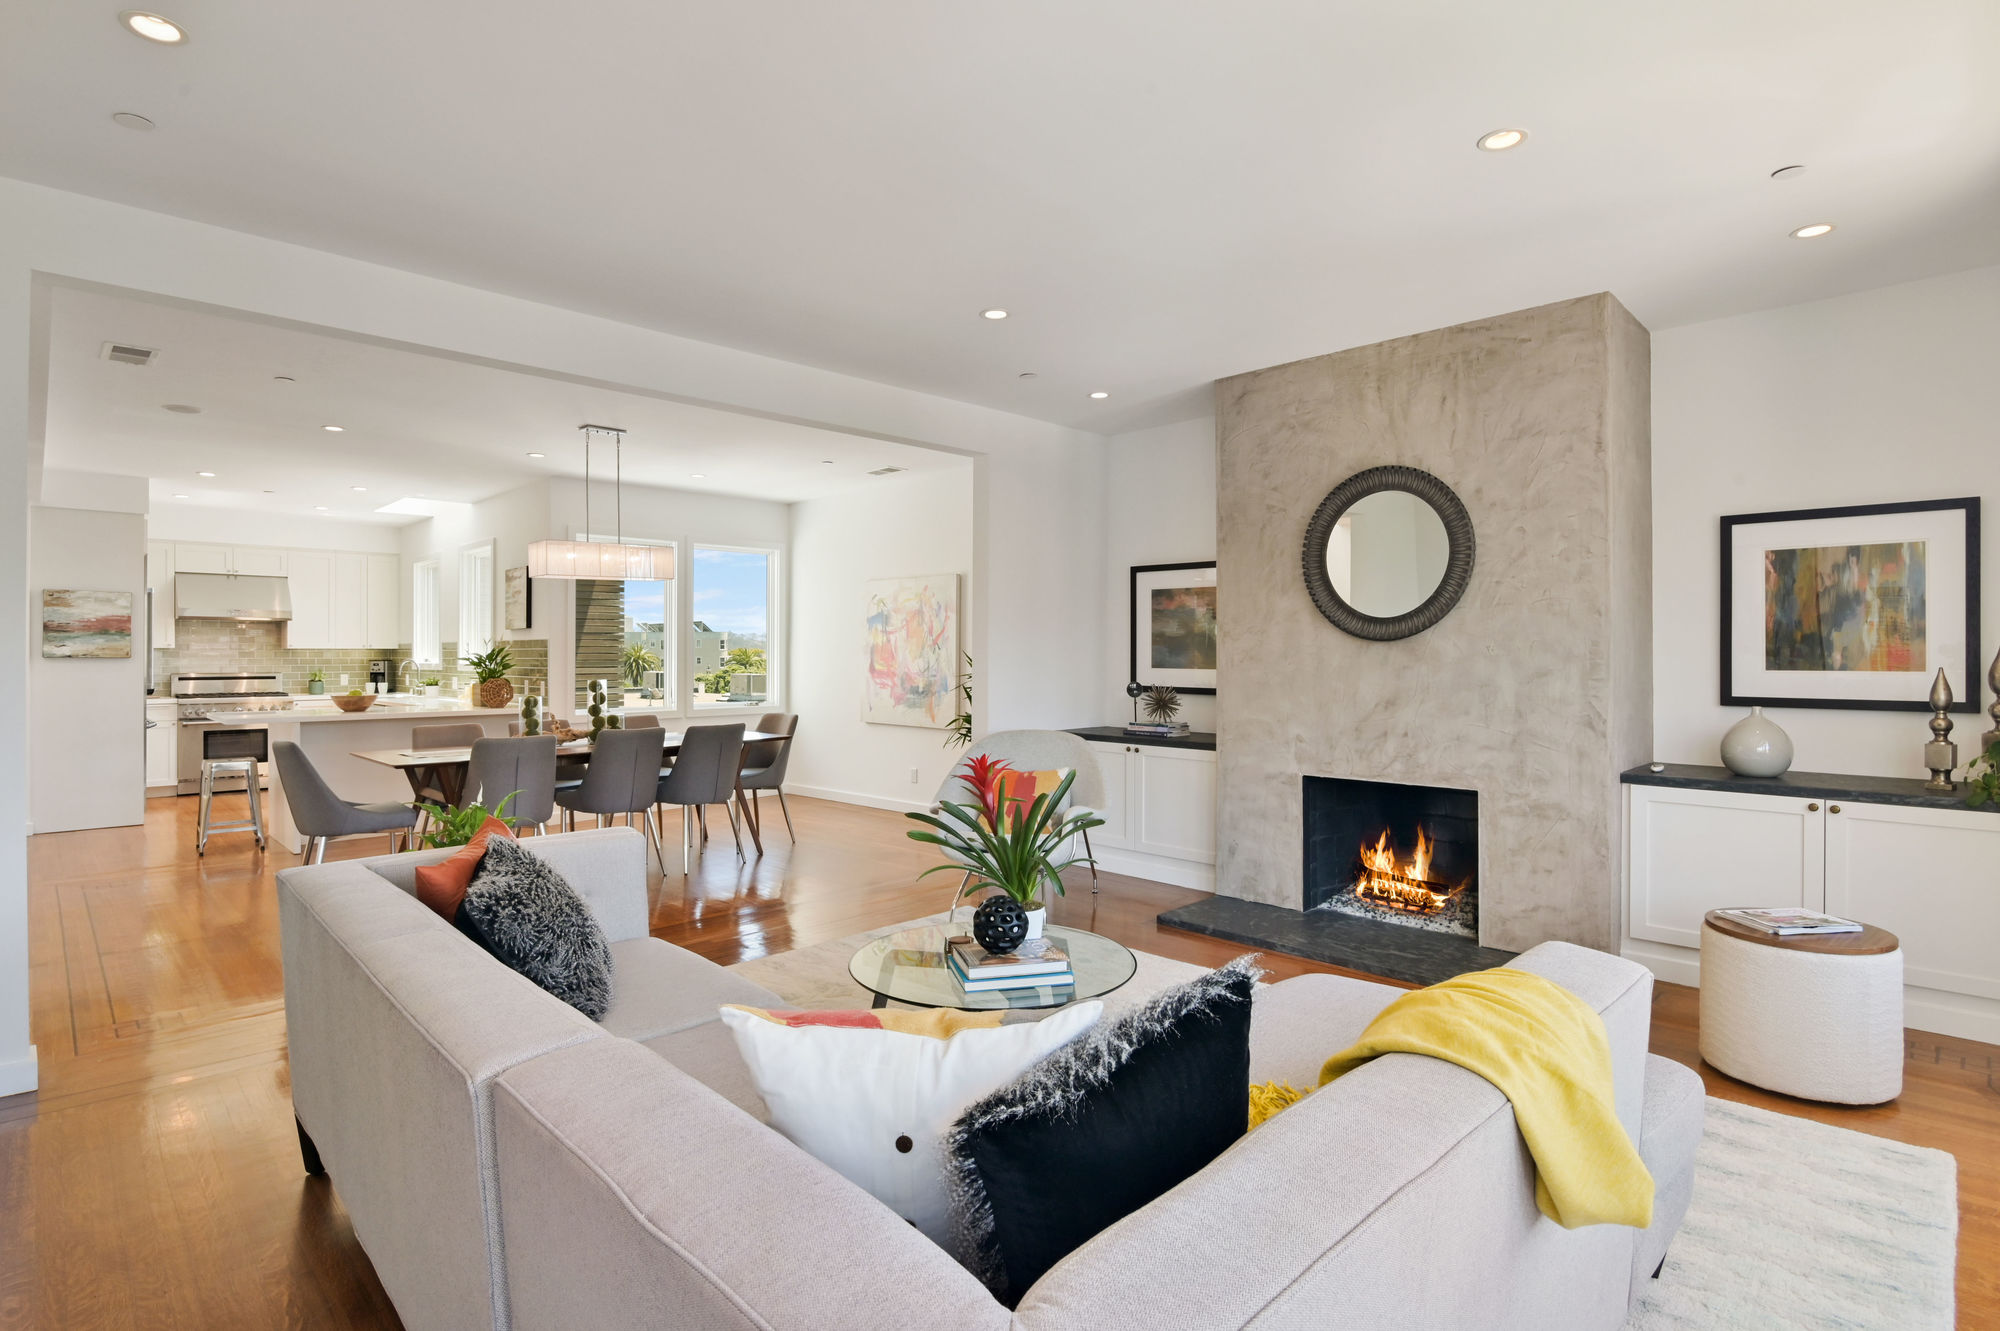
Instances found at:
x=343 y=681
x=914 y=778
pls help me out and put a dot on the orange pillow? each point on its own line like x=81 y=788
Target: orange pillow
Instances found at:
x=442 y=886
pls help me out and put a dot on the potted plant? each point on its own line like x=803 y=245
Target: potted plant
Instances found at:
x=455 y=827
x=1003 y=841
x=490 y=668
x=431 y=685
x=316 y=682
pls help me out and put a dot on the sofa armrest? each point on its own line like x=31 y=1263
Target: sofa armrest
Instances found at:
x=1622 y=993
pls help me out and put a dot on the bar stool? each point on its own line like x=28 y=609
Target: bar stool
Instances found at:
x=224 y=753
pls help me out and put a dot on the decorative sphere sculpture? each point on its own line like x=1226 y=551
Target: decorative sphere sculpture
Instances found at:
x=999 y=925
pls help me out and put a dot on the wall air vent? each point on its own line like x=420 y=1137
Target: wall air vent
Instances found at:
x=125 y=354
x=887 y=471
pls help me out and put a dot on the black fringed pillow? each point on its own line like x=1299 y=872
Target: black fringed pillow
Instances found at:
x=528 y=916
x=1100 y=1128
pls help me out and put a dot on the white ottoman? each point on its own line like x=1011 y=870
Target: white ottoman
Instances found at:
x=1819 y=1017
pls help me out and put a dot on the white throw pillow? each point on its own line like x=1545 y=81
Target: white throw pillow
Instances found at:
x=873 y=1093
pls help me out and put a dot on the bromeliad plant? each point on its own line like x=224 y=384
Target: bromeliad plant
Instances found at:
x=1001 y=839
x=455 y=827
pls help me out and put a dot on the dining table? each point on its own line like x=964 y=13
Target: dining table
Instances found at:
x=443 y=769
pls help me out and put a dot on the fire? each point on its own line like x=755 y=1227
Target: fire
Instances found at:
x=1400 y=886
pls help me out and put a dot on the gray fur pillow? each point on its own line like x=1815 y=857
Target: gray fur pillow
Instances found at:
x=529 y=917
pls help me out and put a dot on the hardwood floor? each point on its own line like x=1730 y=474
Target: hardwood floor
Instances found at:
x=154 y=1180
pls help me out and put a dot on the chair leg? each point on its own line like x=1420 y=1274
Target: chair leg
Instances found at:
x=701 y=817
x=786 y=809
x=1091 y=856
x=256 y=806
x=653 y=837
x=201 y=815
x=734 y=830
x=687 y=841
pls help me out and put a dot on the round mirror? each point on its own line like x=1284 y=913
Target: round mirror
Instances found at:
x=1388 y=553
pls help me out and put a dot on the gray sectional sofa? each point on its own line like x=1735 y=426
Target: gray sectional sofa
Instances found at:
x=509 y=1163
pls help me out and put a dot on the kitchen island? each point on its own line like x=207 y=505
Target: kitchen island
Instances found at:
x=330 y=738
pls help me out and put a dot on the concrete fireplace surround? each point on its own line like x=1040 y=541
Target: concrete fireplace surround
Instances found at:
x=1536 y=691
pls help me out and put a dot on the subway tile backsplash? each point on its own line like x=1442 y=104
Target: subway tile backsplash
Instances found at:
x=216 y=646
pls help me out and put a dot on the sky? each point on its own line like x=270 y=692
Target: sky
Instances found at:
x=731 y=592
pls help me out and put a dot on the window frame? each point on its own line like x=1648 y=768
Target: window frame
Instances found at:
x=475 y=603
x=673 y=703
x=425 y=629
x=774 y=677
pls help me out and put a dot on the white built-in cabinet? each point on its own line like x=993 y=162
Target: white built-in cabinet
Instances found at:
x=1929 y=875
x=340 y=598
x=162 y=734
x=1159 y=803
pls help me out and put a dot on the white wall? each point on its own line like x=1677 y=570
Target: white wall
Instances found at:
x=242 y=526
x=86 y=718
x=1885 y=395
x=1159 y=508
x=901 y=525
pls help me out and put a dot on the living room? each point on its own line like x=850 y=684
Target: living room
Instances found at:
x=1617 y=315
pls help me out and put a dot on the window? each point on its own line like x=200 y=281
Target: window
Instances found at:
x=733 y=659
x=424 y=646
x=622 y=636
x=475 y=599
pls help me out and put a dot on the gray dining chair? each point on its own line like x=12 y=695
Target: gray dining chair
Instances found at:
x=703 y=774
x=623 y=773
x=445 y=735
x=764 y=763
x=642 y=721
x=524 y=768
x=320 y=815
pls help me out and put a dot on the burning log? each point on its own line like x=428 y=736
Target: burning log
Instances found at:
x=1384 y=881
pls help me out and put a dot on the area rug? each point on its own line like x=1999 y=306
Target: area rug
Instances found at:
x=1794 y=1224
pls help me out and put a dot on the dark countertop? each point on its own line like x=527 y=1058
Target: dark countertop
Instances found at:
x=1194 y=739
x=1907 y=792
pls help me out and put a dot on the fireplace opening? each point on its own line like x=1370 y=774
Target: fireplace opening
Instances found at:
x=1404 y=854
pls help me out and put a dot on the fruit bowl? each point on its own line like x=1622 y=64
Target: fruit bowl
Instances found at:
x=354 y=702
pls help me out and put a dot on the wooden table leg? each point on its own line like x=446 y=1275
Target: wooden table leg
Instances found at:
x=744 y=804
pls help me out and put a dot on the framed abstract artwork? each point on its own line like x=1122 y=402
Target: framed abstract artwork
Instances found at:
x=517 y=598
x=911 y=631
x=1851 y=607
x=92 y=625
x=1173 y=626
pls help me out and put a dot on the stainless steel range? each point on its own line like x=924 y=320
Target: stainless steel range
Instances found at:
x=196 y=696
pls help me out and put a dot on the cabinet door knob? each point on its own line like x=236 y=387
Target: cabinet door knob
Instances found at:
x=1833 y=808
x=1813 y=807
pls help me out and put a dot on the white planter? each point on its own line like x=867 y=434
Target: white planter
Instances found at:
x=431 y=690
x=1036 y=918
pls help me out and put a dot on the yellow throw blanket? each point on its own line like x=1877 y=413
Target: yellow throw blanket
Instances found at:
x=1546 y=1051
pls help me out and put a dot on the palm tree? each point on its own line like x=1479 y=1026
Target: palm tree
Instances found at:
x=638 y=659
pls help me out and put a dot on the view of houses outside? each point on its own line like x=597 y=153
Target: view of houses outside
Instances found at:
x=621 y=633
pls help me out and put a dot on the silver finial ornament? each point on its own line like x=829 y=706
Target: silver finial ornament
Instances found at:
x=1940 y=755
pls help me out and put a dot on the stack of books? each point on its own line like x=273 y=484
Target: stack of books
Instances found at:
x=980 y=971
x=1159 y=729
x=1789 y=920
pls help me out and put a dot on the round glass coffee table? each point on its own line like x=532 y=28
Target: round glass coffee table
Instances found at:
x=909 y=966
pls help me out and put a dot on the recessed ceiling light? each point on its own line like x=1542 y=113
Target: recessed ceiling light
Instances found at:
x=270 y=492
x=209 y=474
x=320 y=508
x=359 y=489
x=826 y=462
x=130 y=120
x=993 y=314
x=153 y=27
x=284 y=378
x=1025 y=374
x=333 y=429
x=1500 y=140
x=180 y=496
x=697 y=476
x=1809 y=232
x=536 y=455
x=1788 y=172
x=181 y=407
x=1100 y=394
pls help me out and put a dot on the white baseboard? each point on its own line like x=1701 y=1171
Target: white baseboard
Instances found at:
x=1934 y=1010
x=20 y=1075
x=859 y=797
x=1159 y=868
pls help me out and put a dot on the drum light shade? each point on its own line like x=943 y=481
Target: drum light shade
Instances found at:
x=599 y=559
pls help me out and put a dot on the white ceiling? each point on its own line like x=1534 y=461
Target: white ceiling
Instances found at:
x=1161 y=191
x=413 y=425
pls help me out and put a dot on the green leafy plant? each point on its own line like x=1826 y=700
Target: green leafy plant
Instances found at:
x=431 y=682
x=1983 y=787
x=1004 y=841
x=639 y=659
x=958 y=730
x=316 y=676
x=491 y=664
x=455 y=827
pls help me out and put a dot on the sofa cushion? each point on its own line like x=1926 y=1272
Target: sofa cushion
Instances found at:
x=707 y=1052
x=442 y=886
x=657 y=988
x=1296 y=1023
x=523 y=912
x=873 y=1101
x=1100 y=1128
x=1676 y=1103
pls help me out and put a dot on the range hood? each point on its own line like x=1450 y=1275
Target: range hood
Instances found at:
x=231 y=596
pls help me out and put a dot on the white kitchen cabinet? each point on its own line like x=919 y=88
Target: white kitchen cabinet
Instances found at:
x=349 y=609
x=195 y=557
x=260 y=561
x=1929 y=876
x=160 y=582
x=161 y=756
x=385 y=601
x=310 y=575
x=1159 y=812
x=1693 y=851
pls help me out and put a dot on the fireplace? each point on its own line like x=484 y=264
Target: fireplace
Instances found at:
x=1402 y=854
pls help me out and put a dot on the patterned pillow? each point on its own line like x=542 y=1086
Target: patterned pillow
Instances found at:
x=1100 y=1128
x=526 y=914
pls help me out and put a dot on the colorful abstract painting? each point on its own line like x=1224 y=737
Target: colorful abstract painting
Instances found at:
x=86 y=624
x=1183 y=628
x=912 y=639
x=1845 y=607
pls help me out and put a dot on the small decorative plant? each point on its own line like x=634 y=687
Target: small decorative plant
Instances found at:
x=958 y=730
x=1982 y=787
x=490 y=669
x=432 y=682
x=1005 y=841
x=316 y=682
x=455 y=827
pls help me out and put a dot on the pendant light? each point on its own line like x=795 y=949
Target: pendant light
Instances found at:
x=601 y=559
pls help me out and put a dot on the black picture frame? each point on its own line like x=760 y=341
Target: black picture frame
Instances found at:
x=1132 y=639
x=1967 y=673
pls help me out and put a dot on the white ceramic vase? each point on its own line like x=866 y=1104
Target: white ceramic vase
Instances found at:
x=1757 y=746
x=1036 y=919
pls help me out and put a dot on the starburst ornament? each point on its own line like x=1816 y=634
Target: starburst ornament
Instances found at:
x=1161 y=704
